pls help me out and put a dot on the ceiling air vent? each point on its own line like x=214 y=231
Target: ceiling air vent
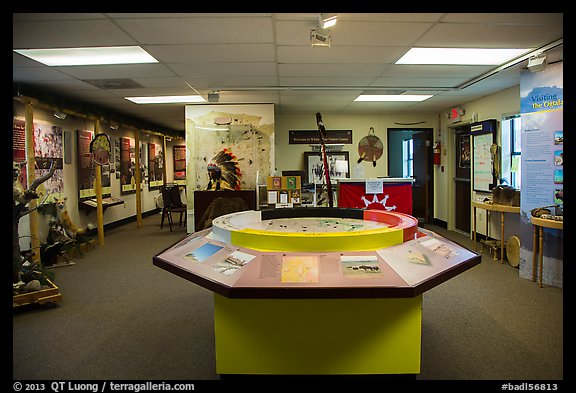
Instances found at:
x=109 y=84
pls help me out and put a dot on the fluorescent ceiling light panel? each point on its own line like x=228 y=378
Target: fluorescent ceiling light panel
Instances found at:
x=392 y=97
x=460 y=56
x=89 y=56
x=329 y=20
x=167 y=99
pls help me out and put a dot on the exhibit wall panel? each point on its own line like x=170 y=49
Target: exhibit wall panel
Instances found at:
x=82 y=218
x=542 y=104
x=244 y=133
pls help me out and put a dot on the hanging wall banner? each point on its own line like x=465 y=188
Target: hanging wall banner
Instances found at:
x=541 y=103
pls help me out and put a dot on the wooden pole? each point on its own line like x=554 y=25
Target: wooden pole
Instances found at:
x=98 y=190
x=31 y=176
x=164 y=161
x=138 y=177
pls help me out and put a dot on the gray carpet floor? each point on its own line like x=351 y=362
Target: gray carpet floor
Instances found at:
x=122 y=318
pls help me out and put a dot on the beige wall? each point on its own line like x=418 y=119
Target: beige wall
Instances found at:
x=490 y=107
x=290 y=157
x=80 y=217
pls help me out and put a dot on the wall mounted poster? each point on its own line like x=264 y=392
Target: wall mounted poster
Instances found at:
x=48 y=147
x=19 y=148
x=245 y=130
x=127 y=166
x=482 y=174
x=542 y=103
x=86 y=168
x=155 y=166
x=179 y=158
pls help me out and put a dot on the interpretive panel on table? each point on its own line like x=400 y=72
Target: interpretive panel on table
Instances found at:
x=400 y=266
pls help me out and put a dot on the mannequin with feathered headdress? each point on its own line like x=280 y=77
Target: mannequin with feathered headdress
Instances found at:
x=224 y=172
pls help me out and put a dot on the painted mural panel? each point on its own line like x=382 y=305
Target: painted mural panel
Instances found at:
x=245 y=132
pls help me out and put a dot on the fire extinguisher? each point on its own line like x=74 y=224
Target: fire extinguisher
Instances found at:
x=437 y=149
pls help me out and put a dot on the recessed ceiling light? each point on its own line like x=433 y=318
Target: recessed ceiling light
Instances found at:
x=167 y=99
x=392 y=97
x=460 y=56
x=89 y=56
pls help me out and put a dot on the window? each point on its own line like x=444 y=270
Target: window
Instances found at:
x=511 y=150
x=407 y=158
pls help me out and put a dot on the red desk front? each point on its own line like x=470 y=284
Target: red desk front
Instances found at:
x=396 y=195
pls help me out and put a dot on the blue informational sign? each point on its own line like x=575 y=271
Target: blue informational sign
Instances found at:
x=541 y=104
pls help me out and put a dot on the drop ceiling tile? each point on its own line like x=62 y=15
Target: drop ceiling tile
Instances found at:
x=462 y=35
x=335 y=82
x=267 y=68
x=68 y=34
x=304 y=54
x=330 y=70
x=116 y=71
x=202 y=53
x=206 y=30
x=423 y=82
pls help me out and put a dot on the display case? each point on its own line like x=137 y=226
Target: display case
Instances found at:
x=325 y=273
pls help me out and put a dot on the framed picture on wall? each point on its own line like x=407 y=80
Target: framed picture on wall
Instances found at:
x=338 y=166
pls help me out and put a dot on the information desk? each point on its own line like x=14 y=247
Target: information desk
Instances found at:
x=538 y=243
x=396 y=194
x=317 y=291
x=497 y=208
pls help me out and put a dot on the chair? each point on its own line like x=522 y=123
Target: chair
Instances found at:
x=175 y=196
x=176 y=200
x=169 y=207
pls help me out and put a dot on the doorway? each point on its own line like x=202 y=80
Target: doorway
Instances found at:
x=417 y=163
x=462 y=183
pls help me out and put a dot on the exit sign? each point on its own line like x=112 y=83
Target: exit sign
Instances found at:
x=456 y=113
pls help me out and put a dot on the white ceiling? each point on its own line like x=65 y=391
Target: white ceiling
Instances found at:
x=267 y=58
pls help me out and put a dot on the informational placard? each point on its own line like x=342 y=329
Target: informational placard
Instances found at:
x=542 y=166
x=482 y=174
x=374 y=186
x=19 y=148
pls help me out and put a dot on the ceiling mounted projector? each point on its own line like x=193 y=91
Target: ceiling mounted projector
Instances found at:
x=320 y=37
x=537 y=63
